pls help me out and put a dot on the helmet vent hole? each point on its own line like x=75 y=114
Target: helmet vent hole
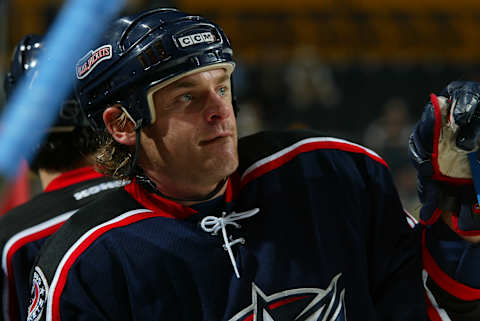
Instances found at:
x=151 y=56
x=143 y=61
x=162 y=53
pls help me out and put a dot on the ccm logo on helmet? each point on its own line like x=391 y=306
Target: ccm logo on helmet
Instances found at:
x=196 y=39
x=88 y=62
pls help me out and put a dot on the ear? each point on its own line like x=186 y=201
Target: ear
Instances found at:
x=119 y=125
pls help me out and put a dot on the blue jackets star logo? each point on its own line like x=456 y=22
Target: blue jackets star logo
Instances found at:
x=303 y=304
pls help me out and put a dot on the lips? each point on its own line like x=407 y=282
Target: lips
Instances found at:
x=215 y=138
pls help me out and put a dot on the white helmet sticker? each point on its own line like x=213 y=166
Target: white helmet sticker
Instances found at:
x=196 y=38
x=88 y=62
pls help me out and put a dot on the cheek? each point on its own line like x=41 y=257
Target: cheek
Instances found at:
x=180 y=136
x=169 y=127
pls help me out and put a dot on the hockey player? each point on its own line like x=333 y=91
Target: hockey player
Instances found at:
x=64 y=166
x=293 y=226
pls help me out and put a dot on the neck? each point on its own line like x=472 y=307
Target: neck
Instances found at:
x=184 y=197
x=46 y=177
x=215 y=192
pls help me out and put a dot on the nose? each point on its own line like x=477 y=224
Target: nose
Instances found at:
x=217 y=107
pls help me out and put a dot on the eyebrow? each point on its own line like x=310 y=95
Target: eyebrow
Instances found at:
x=188 y=84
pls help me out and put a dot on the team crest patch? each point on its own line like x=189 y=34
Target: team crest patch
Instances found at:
x=87 y=63
x=304 y=304
x=38 y=295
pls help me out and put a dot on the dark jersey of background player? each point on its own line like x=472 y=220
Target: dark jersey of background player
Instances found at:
x=64 y=166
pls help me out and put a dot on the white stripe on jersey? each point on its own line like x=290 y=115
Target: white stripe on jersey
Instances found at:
x=74 y=247
x=300 y=143
x=30 y=231
x=15 y=238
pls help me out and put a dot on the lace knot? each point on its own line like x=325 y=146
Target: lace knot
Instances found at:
x=213 y=224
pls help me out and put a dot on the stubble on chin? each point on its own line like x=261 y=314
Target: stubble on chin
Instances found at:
x=228 y=162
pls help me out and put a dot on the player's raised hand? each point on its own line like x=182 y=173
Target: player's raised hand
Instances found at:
x=447 y=131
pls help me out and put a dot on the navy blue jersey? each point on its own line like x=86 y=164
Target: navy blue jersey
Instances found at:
x=310 y=228
x=450 y=275
x=24 y=229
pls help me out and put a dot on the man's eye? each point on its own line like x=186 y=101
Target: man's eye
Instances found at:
x=222 y=91
x=186 y=98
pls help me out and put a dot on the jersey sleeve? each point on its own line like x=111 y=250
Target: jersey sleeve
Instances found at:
x=394 y=249
x=101 y=285
x=73 y=276
x=449 y=264
x=450 y=275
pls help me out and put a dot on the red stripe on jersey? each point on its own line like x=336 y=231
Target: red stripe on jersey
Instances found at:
x=12 y=292
x=171 y=208
x=462 y=232
x=72 y=177
x=308 y=146
x=250 y=317
x=436 y=214
x=37 y=297
x=443 y=280
x=286 y=301
x=436 y=131
x=81 y=247
x=155 y=202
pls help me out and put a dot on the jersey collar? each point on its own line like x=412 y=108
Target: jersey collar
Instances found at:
x=168 y=207
x=73 y=177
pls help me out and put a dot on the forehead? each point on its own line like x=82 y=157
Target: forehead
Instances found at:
x=204 y=76
x=199 y=78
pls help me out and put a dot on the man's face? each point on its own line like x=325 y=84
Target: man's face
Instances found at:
x=194 y=138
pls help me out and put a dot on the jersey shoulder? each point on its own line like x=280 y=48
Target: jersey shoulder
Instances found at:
x=110 y=206
x=55 y=206
x=279 y=147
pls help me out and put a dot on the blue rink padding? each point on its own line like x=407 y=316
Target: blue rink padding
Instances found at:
x=34 y=105
x=475 y=167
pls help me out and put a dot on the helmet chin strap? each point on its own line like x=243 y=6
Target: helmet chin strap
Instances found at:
x=138 y=127
x=151 y=187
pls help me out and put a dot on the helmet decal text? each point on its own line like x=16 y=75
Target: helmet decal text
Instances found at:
x=196 y=38
x=88 y=62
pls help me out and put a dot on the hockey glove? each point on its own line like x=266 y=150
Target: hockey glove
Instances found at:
x=438 y=146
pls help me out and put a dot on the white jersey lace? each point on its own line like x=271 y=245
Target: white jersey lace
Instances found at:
x=213 y=224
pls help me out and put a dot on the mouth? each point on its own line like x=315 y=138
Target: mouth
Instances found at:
x=214 y=139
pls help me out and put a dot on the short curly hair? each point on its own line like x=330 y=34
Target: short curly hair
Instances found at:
x=112 y=158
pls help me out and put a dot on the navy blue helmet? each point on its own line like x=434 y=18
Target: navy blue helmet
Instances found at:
x=25 y=62
x=139 y=54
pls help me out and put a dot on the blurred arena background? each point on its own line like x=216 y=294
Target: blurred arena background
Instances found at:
x=359 y=69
